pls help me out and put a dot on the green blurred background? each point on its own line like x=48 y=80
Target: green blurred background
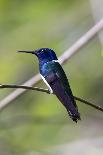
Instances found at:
x=37 y=123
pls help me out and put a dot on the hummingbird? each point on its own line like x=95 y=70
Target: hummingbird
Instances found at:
x=56 y=80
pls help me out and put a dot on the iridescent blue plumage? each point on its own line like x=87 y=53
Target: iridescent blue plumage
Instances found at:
x=56 y=80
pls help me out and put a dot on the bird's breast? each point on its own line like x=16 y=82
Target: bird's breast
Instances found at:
x=46 y=68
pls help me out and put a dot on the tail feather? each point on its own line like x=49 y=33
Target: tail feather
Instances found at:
x=71 y=107
x=75 y=116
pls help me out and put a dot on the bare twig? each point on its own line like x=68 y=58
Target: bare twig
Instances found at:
x=89 y=103
x=81 y=42
x=24 y=87
x=48 y=92
x=62 y=59
x=16 y=93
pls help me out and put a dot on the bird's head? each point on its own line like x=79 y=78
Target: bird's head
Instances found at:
x=43 y=54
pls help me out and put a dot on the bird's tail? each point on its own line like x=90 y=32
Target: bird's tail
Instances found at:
x=73 y=112
x=71 y=107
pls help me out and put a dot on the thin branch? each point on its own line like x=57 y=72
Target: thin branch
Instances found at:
x=16 y=93
x=81 y=42
x=89 y=103
x=62 y=59
x=2 y=86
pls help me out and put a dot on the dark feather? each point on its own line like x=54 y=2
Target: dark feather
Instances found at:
x=60 y=86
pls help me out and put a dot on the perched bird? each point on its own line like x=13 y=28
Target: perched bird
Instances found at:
x=55 y=78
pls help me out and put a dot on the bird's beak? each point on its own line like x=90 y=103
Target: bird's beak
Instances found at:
x=32 y=52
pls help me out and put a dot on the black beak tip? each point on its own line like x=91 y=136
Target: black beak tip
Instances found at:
x=18 y=51
x=31 y=52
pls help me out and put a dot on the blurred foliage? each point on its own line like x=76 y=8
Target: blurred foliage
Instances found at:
x=36 y=121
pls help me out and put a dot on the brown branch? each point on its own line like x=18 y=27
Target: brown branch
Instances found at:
x=2 y=86
x=24 y=87
x=89 y=103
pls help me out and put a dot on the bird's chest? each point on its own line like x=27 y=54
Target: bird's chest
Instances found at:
x=46 y=69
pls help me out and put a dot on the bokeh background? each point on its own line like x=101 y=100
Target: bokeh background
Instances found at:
x=37 y=123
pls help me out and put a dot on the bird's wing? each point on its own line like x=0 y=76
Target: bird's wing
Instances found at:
x=60 y=86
